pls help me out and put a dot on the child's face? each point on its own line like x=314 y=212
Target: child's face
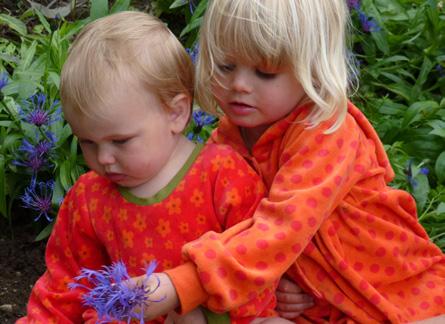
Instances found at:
x=254 y=96
x=133 y=141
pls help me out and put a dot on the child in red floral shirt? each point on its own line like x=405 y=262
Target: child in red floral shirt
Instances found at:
x=127 y=89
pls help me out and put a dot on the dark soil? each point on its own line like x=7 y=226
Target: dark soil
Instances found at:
x=21 y=263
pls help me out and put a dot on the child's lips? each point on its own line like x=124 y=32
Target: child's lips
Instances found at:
x=241 y=108
x=115 y=177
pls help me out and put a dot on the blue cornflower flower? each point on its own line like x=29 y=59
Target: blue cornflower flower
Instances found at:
x=112 y=297
x=201 y=118
x=35 y=163
x=42 y=148
x=35 y=112
x=3 y=80
x=424 y=171
x=193 y=52
x=38 y=197
x=369 y=24
x=354 y=4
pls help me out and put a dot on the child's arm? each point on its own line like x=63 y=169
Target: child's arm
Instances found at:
x=72 y=245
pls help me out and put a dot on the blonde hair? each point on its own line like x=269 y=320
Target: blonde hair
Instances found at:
x=308 y=36
x=114 y=48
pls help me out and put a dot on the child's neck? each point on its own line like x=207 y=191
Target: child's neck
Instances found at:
x=178 y=158
x=251 y=135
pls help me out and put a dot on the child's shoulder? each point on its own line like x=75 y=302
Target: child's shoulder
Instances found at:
x=218 y=149
x=91 y=179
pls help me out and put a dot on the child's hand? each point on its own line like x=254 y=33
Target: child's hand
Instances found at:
x=164 y=297
x=291 y=300
x=196 y=316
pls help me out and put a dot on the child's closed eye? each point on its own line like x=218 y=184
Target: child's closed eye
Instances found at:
x=224 y=68
x=121 y=141
x=265 y=75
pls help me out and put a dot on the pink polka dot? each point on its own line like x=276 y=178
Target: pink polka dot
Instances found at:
x=359 y=168
x=210 y=254
x=279 y=221
x=354 y=144
x=438 y=300
x=321 y=276
x=241 y=249
x=240 y=275
x=411 y=311
x=280 y=236
x=370 y=218
x=307 y=164
x=319 y=138
x=364 y=285
x=424 y=305
x=431 y=284
x=360 y=248
x=252 y=295
x=233 y=294
x=338 y=180
x=323 y=153
x=309 y=248
x=375 y=299
x=340 y=143
x=289 y=209
x=396 y=251
x=259 y=281
x=205 y=277
x=374 y=268
x=296 y=248
x=312 y=221
x=341 y=158
x=355 y=231
x=304 y=150
x=372 y=233
x=415 y=291
x=261 y=265
x=262 y=244
x=401 y=294
x=296 y=225
x=280 y=257
x=389 y=235
x=339 y=298
x=343 y=265
x=222 y=273
x=358 y=266
x=390 y=271
x=328 y=168
x=263 y=227
x=403 y=237
x=279 y=179
x=327 y=192
x=312 y=202
x=381 y=252
x=331 y=231
x=317 y=181
x=296 y=178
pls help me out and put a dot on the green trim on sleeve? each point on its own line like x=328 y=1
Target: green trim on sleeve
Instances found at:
x=168 y=189
x=214 y=318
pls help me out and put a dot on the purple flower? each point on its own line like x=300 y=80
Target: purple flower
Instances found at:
x=34 y=156
x=193 y=52
x=424 y=171
x=35 y=163
x=201 y=118
x=3 y=80
x=369 y=24
x=38 y=197
x=354 y=4
x=35 y=111
x=112 y=297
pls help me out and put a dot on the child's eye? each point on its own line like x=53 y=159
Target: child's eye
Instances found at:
x=85 y=142
x=265 y=75
x=121 y=141
x=226 y=67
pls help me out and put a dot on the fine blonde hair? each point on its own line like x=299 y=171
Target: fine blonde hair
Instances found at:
x=307 y=36
x=124 y=46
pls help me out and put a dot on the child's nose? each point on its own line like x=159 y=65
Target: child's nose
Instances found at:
x=241 y=81
x=105 y=155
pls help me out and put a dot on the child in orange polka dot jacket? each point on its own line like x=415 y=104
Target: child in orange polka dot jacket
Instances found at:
x=126 y=89
x=279 y=72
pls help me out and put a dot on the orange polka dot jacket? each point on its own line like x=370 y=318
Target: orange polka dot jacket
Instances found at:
x=331 y=221
x=99 y=223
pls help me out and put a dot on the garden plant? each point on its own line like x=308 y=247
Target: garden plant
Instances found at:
x=397 y=47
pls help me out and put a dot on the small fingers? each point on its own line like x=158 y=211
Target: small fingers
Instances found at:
x=289 y=315
x=293 y=298
x=288 y=286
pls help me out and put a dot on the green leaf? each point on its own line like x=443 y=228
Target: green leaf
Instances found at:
x=425 y=69
x=178 y=3
x=438 y=128
x=439 y=167
x=99 y=8
x=43 y=20
x=421 y=190
x=14 y=24
x=120 y=5
x=45 y=232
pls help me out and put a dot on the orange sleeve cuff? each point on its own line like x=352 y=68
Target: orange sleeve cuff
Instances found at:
x=190 y=292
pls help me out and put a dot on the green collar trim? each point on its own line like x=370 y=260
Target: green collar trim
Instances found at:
x=168 y=189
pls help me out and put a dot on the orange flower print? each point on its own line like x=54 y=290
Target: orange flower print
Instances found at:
x=217 y=163
x=147 y=258
x=168 y=245
x=123 y=215
x=95 y=187
x=63 y=283
x=233 y=198
x=184 y=227
x=140 y=223
x=148 y=242
x=68 y=253
x=92 y=205
x=229 y=163
x=223 y=209
x=204 y=176
x=107 y=214
x=163 y=228
x=80 y=189
x=84 y=252
x=180 y=186
x=110 y=236
x=132 y=261
x=127 y=237
x=54 y=258
x=167 y=264
x=174 y=206
x=225 y=182
x=241 y=173
x=76 y=217
x=197 y=198
x=201 y=219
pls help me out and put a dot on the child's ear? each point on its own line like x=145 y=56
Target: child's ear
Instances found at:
x=180 y=109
